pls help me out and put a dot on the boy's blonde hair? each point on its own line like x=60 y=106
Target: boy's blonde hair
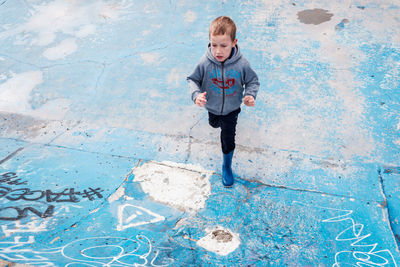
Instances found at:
x=222 y=25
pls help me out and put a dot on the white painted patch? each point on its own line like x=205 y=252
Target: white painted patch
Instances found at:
x=51 y=18
x=85 y=31
x=155 y=94
x=397 y=142
x=146 y=32
x=2 y=59
x=15 y=92
x=190 y=16
x=117 y=194
x=132 y=216
x=150 y=58
x=52 y=110
x=63 y=49
x=216 y=243
x=15 y=96
x=182 y=186
x=174 y=77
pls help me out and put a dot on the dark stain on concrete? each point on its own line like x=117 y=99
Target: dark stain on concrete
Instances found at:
x=314 y=16
x=20 y=126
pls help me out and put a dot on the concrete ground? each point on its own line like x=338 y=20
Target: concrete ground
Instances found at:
x=105 y=161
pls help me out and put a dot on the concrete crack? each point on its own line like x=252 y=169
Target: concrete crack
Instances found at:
x=302 y=190
x=72 y=63
x=100 y=75
x=52 y=65
x=189 y=149
x=143 y=51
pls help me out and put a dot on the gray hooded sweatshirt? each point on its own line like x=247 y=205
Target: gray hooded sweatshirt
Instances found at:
x=225 y=83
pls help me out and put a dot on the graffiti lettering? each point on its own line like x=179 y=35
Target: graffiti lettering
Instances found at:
x=13 y=213
x=20 y=213
x=92 y=192
x=58 y=197
x=11 y=178
x=67 y=195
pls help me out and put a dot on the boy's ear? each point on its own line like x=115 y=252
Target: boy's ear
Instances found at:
x=234 y=42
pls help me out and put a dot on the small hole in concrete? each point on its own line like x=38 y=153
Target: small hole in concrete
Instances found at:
x=222 y=236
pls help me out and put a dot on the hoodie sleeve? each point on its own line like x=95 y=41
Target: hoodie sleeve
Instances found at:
x=195 y=81
x=250 y=81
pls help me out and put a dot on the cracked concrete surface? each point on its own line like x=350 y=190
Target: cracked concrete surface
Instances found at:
x=92 y=93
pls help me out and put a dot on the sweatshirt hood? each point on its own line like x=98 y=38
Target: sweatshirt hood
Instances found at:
x=235 y=57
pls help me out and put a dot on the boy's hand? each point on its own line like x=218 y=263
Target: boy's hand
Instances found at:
x=249 y=101
x=201 y=100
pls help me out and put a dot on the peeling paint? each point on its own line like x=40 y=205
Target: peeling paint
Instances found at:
x=183 y=186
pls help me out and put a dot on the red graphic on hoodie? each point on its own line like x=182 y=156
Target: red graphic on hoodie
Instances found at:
x=228 y=83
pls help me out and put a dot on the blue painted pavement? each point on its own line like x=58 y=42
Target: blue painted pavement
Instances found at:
x=105 y=160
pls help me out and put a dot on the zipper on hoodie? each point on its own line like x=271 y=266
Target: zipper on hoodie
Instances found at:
x=223 y=89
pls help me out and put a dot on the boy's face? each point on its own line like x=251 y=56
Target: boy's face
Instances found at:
x=221 y=46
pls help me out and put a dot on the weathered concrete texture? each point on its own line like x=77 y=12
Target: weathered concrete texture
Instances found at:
x=11 y=264
x=105 y=160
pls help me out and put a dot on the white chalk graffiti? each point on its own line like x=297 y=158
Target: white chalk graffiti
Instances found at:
x=132 y=216
x=30 y=227
x=112 y=251
x=363 y=252
x=19 y=251
x=94 y=251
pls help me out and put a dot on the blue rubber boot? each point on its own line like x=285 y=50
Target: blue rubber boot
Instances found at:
x=227 y=175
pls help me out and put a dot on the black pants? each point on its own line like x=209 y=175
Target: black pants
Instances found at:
x=227 y=123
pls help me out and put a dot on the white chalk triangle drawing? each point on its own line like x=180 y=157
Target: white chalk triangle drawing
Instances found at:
x=132 y=216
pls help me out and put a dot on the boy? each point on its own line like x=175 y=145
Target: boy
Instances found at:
x=220 y=82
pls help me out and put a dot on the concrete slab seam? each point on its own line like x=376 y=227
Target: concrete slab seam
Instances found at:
x=101 y=204
x=11 y=155
x=386 y=210
x=19 y=61
x=61 y=134
x=88 y=151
